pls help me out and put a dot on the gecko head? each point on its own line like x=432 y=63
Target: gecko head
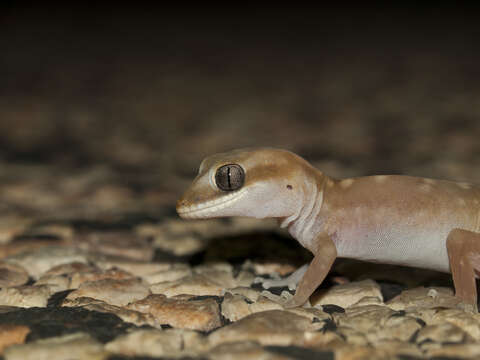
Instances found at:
x=254 y=182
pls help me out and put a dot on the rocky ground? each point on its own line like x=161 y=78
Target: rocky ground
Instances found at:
x=104 y=119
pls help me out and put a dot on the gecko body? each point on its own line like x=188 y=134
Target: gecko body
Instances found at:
x=419 y=222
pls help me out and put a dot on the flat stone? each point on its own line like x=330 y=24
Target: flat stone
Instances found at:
x=17 y=247
x=12 y=275
x=272 y=268
x=61 y=231
x=424 y=298
x=70 y=268
x=181 y=312
x=111 y=291
x=174 y=273
x=395 y=328
x=275 y=327
x=365 y=319
x=179 y=246
x=81 y=277
x=247 y=292
x=348 y=294
x=235 y=307
x=137 y=268
x=56 y=283
x=77 y=346
x=127 y=315
x=121 y=244
x=468 y=322
x=11 y=226
x=157 y=343
x=441 y=333
x=26 y=296
x=193 y=285
x=11 y=334
x=455 y=351
x=39 y=261
x=243 y=350
x=353 y=336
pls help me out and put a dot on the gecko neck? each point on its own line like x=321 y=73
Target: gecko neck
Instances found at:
x=303 y=224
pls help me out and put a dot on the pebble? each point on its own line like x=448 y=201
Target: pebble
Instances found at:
x=121 y=244
x=442 y=333
x=347 y=294
x=112 y=291
x=12 y=275
x=158 y=343
x=78 y=278
x=26 y=296
x=193 y=285
x=38 y=261
x=424 y=298
x=243 y=350
x=78 y=346
x=181 y=312
x=173 y=273
x=11 y=226
x=274 y=327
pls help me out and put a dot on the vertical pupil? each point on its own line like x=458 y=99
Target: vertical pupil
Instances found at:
x=229 y=173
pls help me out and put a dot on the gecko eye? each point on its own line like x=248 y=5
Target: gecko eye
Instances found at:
x=230 y=177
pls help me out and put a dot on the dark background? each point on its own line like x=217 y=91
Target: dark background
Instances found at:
x=147 y=92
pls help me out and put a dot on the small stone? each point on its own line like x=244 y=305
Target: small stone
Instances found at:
x=12 y=275
x=127 y=315
x=11 y=226
x=247 y=292
x=442 y=333
x=181 y=312
x=176 y=272
x=157 y=343
x=455 y=351
x=353 y=336
x=38 y=261
x=137 y=268
x=56 y=283
x=179 y=246
x=121 y=244
x=275 y=327
x=114 y=292
x=58 y=230
x=12 y=334
x=364 y=318
x=395 y=328
x=273 y=268
x=424 y=298
x=70 y=268
x=243 y=350
x=192 y=285
x=26 y=296
x=235 y=307
x=264 y=304
x=396 y=349
x=348 y=294
x=77 y=346
x=79 y=278
x=470 y=323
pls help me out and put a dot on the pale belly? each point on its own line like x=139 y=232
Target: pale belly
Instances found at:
x=423 y=248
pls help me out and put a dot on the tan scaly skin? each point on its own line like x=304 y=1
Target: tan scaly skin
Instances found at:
x=425 y=223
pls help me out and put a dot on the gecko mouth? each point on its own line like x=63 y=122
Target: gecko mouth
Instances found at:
x=208 y=208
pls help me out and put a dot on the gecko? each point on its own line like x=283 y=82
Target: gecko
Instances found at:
x=392 y=219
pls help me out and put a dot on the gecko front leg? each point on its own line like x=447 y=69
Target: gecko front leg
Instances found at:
x=463 y=249
x=318 y=269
